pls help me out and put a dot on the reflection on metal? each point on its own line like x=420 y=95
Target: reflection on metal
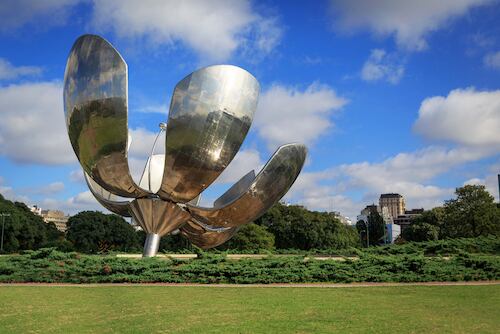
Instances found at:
x=107 y=199
x=95 y=104
x=204 y=238
x=269 y=186
x=210 y=114
x=235 y=191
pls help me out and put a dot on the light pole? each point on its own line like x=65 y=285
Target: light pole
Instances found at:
x=3 y=228
x=367 y=234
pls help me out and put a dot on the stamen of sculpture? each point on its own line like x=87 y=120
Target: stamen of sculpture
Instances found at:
x=209 y=117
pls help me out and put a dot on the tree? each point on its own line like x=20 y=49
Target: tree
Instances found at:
x=294 y=226
x=420 y=232
x=473 y=213
x=434 y=217
x=24 y=229
x=93 y=231
x=250 y=237
x=376 y=229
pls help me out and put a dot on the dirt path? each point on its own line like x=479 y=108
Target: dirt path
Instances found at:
x=276 y=285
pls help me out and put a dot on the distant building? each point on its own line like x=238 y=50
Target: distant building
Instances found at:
x=36 y=210
x=58 y=218
x=343 y=219
x=405 y=219
x=369 y=209
x=393 y=231
x=395 y=204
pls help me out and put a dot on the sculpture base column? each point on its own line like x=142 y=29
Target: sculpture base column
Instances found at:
x=151 y=245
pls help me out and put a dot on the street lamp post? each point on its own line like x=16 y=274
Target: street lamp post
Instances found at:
x=3 y=228
x=367 y=234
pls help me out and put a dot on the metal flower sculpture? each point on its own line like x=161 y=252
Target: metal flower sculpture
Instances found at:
x=210 y=114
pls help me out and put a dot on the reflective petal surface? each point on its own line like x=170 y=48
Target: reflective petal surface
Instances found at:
x=95 y=105
x=270 y=185
x=210 y=114
x=203 y=238
x=107 y=199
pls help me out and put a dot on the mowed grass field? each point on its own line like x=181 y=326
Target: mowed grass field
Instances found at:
x=175 y=309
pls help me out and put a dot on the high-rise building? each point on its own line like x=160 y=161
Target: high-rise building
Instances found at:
x=395 y=204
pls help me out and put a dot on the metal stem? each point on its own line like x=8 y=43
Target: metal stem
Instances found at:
x=162 y=128
x=151 y=245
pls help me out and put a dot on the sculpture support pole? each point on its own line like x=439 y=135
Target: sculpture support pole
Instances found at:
x=151 y=245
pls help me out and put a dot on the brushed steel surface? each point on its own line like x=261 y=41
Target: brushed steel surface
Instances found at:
x=157 y=216
x=270 y=185
x=204 y=238
x=151 y=245
x=210 y=114
x=95 y=105
x=107 y=199
x=236 y=190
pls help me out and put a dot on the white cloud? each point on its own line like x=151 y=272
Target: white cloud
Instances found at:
x=465 y=116
x=287 y=114
x=214 y=29
x=49 y=189
x=9 y=71
x=381 y=66
x=16 y=13
x=410 y=174
x=33 y=129
x=492 y=60
x=77 y=175
x=408 y=20
x=80 y=202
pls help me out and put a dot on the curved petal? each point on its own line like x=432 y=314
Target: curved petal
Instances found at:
x=95 y=105
x=210 y=114
x=268 y=187
x=107 y=199
x=206 y=238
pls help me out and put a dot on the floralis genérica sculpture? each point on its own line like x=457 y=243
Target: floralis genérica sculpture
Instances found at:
x=210 y=114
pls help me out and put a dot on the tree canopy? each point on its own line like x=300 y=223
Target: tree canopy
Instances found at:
x=24 y=229
x=93 y=231
x=296 y=227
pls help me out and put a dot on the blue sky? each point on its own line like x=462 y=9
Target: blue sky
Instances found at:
x=389 y=96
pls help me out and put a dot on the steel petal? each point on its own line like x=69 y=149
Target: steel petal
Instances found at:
x=270 y=185
x=204 y=238
x=107 y=199
x=210 y=114
x=95 y=105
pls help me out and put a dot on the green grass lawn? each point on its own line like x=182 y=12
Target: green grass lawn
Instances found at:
x=157 y=309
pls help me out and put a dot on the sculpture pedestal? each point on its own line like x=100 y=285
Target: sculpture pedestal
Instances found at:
x=151 y=245
x=157 y=218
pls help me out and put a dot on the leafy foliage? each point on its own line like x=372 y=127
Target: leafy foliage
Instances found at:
x=295 y=227
x=376 y=229
x=406 y=263
x=24 y=229
x=251 y=237
x=471 y=214
x=93 y=231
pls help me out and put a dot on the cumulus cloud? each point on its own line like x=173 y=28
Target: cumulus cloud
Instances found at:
x=287 y=114
x=9 y=71
x=214 y=29
x=16 y=13
x=408 y=21
x=465 y=116
x=381 y=66
x=49 y=189
x=410 y=174
x=80 y=202
x=33 y=129
x=492 y=60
